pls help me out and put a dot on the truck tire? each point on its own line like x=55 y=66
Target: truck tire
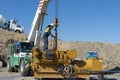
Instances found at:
x=38 y=79
x=9 y=68
x=17 y=31
x=22 y=66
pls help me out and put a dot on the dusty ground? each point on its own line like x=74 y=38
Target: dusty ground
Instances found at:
x=4 y=75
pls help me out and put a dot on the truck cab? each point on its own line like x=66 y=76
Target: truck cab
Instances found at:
x=19 y=54
x=13 y=25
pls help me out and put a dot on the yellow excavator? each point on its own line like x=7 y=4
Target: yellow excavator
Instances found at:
x=55 y=63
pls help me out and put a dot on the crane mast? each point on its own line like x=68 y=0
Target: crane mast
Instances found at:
x=36 y=27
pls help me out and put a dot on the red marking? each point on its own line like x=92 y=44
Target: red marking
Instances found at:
x=40 y=7
x=40 y=4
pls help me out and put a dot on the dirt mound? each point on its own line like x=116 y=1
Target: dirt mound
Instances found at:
x=6 y=35
x=107 y=51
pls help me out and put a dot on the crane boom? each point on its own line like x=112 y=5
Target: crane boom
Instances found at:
x=36 y=27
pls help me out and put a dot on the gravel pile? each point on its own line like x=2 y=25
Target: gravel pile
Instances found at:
x=6 y=35
x=110 y=53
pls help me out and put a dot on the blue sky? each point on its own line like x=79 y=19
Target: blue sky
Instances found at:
x=80 y=20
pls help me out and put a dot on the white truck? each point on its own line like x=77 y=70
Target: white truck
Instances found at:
x=11 y=25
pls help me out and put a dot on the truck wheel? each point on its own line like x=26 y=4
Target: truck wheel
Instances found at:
x=9 y=68
x=38 y=79
x=17 y=31
x=25 y=71
x=22 y=66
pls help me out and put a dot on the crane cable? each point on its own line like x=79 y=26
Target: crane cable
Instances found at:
x=56 y=23
x=56 y=8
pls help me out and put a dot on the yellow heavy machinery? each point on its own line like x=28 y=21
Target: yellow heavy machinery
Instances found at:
x=61 y=64
x=55 y=63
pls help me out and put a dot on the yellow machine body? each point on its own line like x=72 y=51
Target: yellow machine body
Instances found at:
x=87 y=67
x=62 y=64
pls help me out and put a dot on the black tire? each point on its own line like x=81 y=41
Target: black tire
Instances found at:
x=9 y=68
x=17 y=31
x=38 y=79
x=22 y=66
x=25 y=71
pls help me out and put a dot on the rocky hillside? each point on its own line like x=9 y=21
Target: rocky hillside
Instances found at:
x=7 y=35
x=110 y=53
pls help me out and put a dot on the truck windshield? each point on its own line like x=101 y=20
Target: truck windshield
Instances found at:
x=26 y=47
x=14 y=22
x=19 y=26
